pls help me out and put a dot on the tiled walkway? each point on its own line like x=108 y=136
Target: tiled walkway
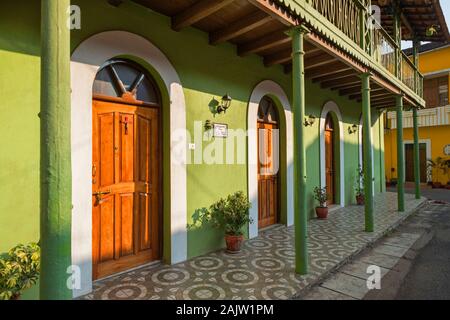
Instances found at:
x=265 y=267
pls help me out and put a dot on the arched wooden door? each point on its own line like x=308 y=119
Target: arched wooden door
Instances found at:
x=329 y=159
x=268 y=163
x=125 y=169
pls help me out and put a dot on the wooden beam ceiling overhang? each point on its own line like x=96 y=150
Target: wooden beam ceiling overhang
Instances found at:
x=241 y=26
x=272 y=40
x=416 y=17
x=197 y=12
x=259 y=27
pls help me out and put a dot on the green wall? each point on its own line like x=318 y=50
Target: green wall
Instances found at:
x=205 y=71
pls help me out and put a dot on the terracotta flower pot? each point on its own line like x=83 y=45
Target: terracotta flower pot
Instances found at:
x=15 y=297
x=360 y=199
x=322 y=212
x=234 y=243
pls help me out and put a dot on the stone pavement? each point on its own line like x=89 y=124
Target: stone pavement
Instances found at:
x=265 y=267
x=394 y=255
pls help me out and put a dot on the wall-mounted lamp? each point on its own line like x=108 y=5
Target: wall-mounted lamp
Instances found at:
x=352 y=129
x=309 y=121
x=432 y=30
x=208 y=125
x=224 y=104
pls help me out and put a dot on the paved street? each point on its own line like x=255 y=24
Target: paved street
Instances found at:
x=414 y=260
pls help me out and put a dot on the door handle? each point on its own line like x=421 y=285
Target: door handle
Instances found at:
x=98 y=195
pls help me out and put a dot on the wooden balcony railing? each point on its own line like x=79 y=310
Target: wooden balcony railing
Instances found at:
x=351 y=16
x=344 y=14
x=408 y=72
x=383 y=48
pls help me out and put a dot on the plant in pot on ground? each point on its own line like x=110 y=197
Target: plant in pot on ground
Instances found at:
x=439 y=166
x=359 y=187
x=320 y=194
x=232 y=215
x=19 y=270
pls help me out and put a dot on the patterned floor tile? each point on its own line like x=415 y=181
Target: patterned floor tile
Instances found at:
x=265 y=269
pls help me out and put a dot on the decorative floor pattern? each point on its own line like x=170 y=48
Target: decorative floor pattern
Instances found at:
x=265 y=267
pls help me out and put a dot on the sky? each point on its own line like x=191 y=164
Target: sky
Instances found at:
x=445 y=4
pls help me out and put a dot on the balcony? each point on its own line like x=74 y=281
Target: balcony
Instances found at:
x=350 y=17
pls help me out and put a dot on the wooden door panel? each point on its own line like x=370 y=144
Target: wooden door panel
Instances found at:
x=126 y=134
x=329 y=166
x=106 y=229
x=126 y=224
x=143 y=149
x=125 y=166
x=267 y=175
x=106 y=146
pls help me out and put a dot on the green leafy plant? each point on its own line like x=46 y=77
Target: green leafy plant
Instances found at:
x=439 y=165
x=321 y=195
x=359 y=185
x=231 y=213
x=19 y=270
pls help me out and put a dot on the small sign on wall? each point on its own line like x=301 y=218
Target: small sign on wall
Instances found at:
x=447 y=150
x=220 y=130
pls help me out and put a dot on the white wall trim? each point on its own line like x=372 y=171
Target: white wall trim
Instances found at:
x=331 y=106
x=262 y=89
x=428 y=147
x=85 y=62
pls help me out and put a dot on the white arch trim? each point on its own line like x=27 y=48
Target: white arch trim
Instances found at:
x=361 y=151
x=268 y=87
x=85 y=62
x=331 y=106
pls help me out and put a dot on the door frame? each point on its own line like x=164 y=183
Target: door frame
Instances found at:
x=274 y=91
x=427 y=142
x=278 y=180
x=332 y=107
x=86 y=60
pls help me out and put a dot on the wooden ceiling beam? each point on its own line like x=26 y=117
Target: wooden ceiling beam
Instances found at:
x=278 y=58
x=241 y=26
x=334 y=76
x=350 y=90
x=332 y=68
x=276 y=12
x=318 y=60
x=337 y=82
x=272 y=40
x=197 y=12
x=373 y=93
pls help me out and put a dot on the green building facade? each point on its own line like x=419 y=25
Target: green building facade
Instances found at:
x=308 y=64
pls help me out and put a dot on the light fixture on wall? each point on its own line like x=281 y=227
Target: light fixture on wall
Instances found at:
x=352 y=129
x=309 y=121
x=432 y=30
x=224 y=104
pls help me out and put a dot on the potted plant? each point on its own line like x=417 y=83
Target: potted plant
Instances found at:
x=438 y=165
x=19 y=270
x=320 y=194
x=231 y=214
x=359 y=187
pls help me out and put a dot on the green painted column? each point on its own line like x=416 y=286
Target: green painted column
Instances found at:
x=55 y=173
x=416 y=153
x=368 y=153
x=400 y=155
x=298 y=108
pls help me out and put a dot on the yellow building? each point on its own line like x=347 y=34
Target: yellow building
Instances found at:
x=434 y=121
